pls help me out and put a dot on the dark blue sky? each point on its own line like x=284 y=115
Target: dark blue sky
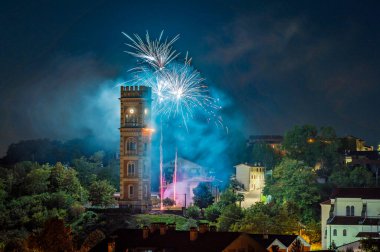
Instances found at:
x=276 y=64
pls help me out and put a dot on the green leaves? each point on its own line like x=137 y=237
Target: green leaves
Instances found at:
x=101 y=193
x=295 y=182
x=202 y=195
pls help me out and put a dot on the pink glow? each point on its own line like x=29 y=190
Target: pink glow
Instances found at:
x=175 y=176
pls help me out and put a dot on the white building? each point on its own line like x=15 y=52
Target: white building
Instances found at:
x=251 y=176
x=350 y=214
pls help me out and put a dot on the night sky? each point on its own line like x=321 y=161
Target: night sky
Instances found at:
x=275 y=65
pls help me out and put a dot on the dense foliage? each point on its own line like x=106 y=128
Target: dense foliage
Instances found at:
x=32 y=196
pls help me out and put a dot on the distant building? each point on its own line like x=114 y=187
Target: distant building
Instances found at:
x=252 y=176
x=352 y=143
x=350 y=215
x=275 y=141
x=164 y=237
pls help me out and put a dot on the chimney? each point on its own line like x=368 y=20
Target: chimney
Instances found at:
x=193 y=233
x=154 y=226
x=162 y=228
x=111 y=246
x=203 y=228
x=145 y=232
x=212 y=228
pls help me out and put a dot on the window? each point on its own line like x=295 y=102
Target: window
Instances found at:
x=131 y=168
x=131 y=117
x=352 y=211
x=334 y=232
x=344 y=232
x=146 y=191
x=131 y=191
x=131 y=145
x=347 y=210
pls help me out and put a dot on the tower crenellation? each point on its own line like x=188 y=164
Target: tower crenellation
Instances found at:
x=135 y=92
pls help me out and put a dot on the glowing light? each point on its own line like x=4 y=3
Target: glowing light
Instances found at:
x=131 y=111
x=145 y=111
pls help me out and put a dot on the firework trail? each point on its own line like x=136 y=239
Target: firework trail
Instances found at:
x=155 y=53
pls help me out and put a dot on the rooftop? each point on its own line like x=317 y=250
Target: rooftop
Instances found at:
x=363 y=193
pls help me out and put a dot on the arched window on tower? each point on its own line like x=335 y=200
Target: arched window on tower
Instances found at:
x=352 y=211
x=344 y=232
x=334 y=232
x=131 y=145
x=131 y=168
x=131 y=118
x=348 y=211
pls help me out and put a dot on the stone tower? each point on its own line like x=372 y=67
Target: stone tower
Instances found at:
x=135 y=145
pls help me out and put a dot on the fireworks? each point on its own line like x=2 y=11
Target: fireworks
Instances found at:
x=178 y=89
x=155 y=53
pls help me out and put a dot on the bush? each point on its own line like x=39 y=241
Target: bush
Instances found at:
x=193 y=212
x=168 y=202
x=212 y=213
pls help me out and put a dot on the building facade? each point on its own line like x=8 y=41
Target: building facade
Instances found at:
x=251 y=176
x=350 y=215
x=135 y=146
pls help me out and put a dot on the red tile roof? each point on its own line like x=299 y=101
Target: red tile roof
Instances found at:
x=368 y=234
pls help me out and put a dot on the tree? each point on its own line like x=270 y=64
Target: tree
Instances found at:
x=212 y=213
x=65 y=179
x=305 y=143
x=240 y=198
x=265 y=155
x=269 y=218
x=295 y=182
x=357 y=177
x=202 y=195
x=313 y=231
x=193 y=212
x=37 y=181
x=230 y=215
x=228 y=197
x=101 y=193
x=168 y=202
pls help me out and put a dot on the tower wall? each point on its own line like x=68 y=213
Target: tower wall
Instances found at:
x=135 y=148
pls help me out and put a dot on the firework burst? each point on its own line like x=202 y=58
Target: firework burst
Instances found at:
x=178 y=89
x=155 y=53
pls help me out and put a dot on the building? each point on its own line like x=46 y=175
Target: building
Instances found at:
x=135 y=145
x=350 y=215
x=351 y=143
x=275 y=141
x=251 y=176
x=164 y=237
x=188 y=177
